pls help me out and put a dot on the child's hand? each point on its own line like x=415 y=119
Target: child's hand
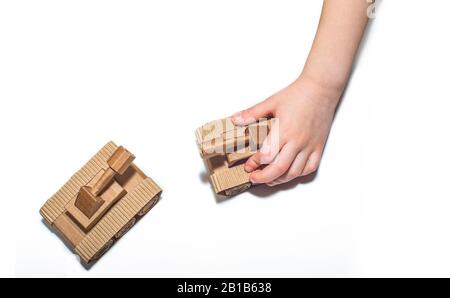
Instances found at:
x=306 y=108
x=305 y=111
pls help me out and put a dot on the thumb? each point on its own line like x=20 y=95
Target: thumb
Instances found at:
x=253 y=114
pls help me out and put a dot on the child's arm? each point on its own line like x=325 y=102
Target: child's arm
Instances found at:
x=306 y=108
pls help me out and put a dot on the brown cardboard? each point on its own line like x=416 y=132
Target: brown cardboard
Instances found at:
x=225 y=147
x=88 y=227
x=88 y=203
x=121 y=160
x=103 y=181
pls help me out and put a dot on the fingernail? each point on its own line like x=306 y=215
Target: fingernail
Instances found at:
x=238 y=119
x=247 y=168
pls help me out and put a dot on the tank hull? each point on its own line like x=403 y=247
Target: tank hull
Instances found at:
x=91 y=242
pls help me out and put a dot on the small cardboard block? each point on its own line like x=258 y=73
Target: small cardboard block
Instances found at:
x=103 y=182
x=111 y=195
x=121 y=160
x=214 y=129
x=71 y=233
x=236 y=157
x=224 y=182
x=231 y=141
x=223 y=146
x=258 y=133
x=87 y=203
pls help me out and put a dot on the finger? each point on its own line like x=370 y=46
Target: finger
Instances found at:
x=253 y=114
x=312 y=164
x=295 y=170
x=269 y=150
x=279 y=166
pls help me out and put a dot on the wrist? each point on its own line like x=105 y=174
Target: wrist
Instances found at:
x=321 y=89
x=333 y=83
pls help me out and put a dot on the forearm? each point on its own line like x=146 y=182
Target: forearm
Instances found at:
x=338 y=37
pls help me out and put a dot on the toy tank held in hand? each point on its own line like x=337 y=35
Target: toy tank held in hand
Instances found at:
x=101 y=203
x=225 y=148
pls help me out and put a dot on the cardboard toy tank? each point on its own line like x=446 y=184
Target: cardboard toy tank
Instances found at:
x=225 y=148
x=101 y=203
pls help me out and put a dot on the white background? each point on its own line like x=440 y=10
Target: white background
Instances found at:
x=76 y=74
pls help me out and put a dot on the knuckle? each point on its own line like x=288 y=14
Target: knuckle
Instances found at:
x=292 y=175
x=301 y=140
x=254 y=160
x=311 y=168
x=319 y=148
x=281 y=168
x=247 y=113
